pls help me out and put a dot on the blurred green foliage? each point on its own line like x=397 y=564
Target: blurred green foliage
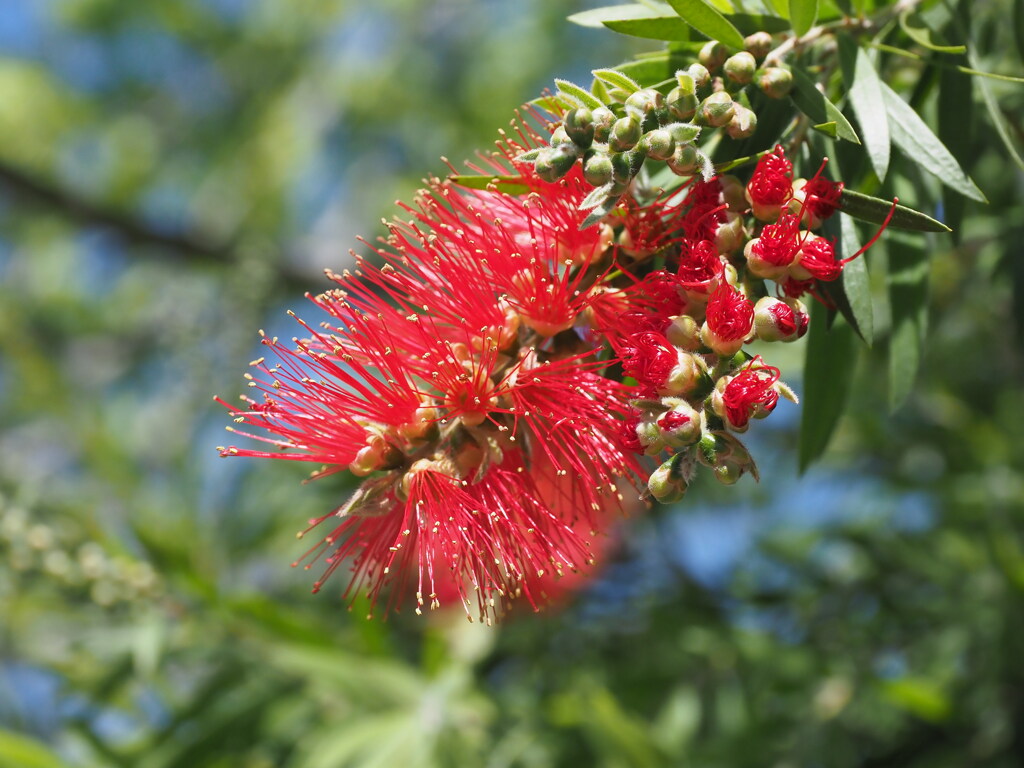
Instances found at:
x=173 y=173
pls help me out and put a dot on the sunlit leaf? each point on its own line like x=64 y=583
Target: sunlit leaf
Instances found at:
x=851 y=294
x=661 y=28
x=865 y=93
x=580 y=94
x=749 y=23
x=596 y=17
x=705 y=19
x=998 y=119
x=18 y=751
x=803 y=14
x=875 y=210
x=917 y=30
x=816 y=106
x=617 y=79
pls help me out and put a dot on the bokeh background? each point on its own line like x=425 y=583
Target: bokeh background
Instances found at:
x=174 y=174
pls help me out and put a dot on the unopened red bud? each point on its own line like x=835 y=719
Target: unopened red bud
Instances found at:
x=758 y=44
x=713 y=55
x=743 y=123
x=680 y=426
x=684 y=161
x=776 y=82
x=718 y=109
x=658 y=144
x=604 y=119
x=777 y=320
x=682 y=105
x=579 y=125
x=625 y=134
x=668 y=482
x=554 y=162
x=740 y=67
x=597 y=169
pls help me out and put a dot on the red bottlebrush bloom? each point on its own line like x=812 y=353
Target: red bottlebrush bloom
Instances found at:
x=750 y=393
x=772 y=254
x=771 y=186
x=817 y=260
x=777 y=320
x=818 y=197
x=730 y=319
x=705 y=210
x=649 y=358
x=700 y=269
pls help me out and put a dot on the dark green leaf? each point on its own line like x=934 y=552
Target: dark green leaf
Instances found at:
x=977 y=73
x=617 y=79
x=600 y=211
x=875 y=210
x=813 y=103
x=828 y=370
x=845 y=7
x=654 y=69
x=998 y=120
x=510 y=185
x=596 y=17
x=921 y=146
x=956 y=131
x=852 y=292
x=803 y=14
x=575 y=92
x=917 y=30
x=705 y=19
x=865 y=93
x=749 y=23
x=661 y=28
x=781 y=7
x=908 y=299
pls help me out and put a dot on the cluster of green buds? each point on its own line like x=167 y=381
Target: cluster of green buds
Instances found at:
x=613 y=136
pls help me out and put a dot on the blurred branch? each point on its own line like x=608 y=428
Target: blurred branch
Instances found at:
x=188 y=246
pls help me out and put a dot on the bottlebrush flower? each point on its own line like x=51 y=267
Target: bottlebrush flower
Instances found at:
x=771 y=186
x=815 y=199
x=749 y=394
x=730 y=319
x=773 y=253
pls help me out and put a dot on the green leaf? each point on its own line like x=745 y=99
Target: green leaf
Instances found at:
x=17 y=751
x=977 y=73
x=803 y=14
x=596 y=17
x=829 y=129
x=915 y=139
x=852 y=292
x=749 y=23
x=917 y=30
x=919 y=696
x=781 y=7
x=600 y=211
x=659 y=28
x=865 y=92
x=998 y=120
x=908 y=300
x=574 y=91
x=617 y=79
x=510 y=185
x=875 y=210
x=705 y=19
x=828 y=371
x=812 y=102
x=956 y=130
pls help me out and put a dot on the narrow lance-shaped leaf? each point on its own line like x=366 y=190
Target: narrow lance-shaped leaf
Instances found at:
x=803 y=14
x=749 y=23
x=596 y=17
x=875 y=210
x=917 y=30
x=617 y=79
x=998 y=120
x=865 y=92
x=851 y=294
x=908 y=300
x=956 y=131
x=915 y=139
x=828 y=370
x=580 y=94
x=813 y=103
x=706 y=20
x=670 y=28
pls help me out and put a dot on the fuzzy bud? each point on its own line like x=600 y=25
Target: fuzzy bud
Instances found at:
x=684 y=376
x=625 y=134
x=658 y=144
x=626 y=165
x=718 y=109
x=643 y=102
x=731 y=235
x=683 y=133
x=597 y=169
x=579 y=125
x=743 y=123
x=683 y=332
x=776 y=82
x=713 y=55
x=554 y=162
x=699 y=73
x=740 y=67
x=682 y=102
x=603 y=119
x=684 y=161
x=758 y=44
x=668 y=482
x=734 y=193
x=776 y=320
x=680 y=426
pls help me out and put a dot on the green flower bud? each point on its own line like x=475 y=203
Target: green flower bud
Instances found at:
x=734 y=193
x=743 y=123
x=626 y=165
x=597 y=169
x=554 y=162
x=625 y=134
x=559 y=137
x=579 y=125
x=730 y=235
x=604 y=119
x=685 y=82
x=658 y=144
x=684 y=333
x=668 y=482
x=684 y=160
x=682 y=105
x=776 y=82
x=728 y=473
x=740 y=67
x=699 y=73
x=643 y=102
x=713 y=55
x=718 y=109
x=680 y=426
x=758 y=44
